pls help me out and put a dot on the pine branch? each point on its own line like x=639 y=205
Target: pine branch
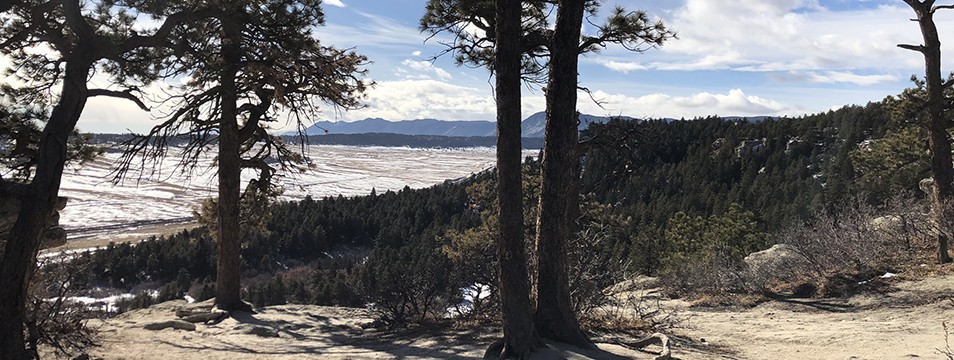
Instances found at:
x=127 y=94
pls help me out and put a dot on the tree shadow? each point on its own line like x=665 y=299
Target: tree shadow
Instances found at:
x=824 y=305
x=318 y=336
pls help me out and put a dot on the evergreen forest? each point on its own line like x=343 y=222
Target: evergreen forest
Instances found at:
x=656 y=193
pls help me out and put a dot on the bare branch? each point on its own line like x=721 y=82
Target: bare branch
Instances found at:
x=918 y=48
x=947 y=84
x=127 y=94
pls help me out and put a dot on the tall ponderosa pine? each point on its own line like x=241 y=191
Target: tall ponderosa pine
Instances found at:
x=520 y=337
x=559 y=206
x=261 y=54
x=82 y=39
x=541 y=47
x=559 y=210
x=936 y=122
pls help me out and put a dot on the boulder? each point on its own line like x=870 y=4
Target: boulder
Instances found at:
x=53 y=236
x=779 y=262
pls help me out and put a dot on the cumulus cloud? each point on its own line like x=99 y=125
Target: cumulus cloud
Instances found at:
x=418 y=99
x=733 y=103
x=416 y=53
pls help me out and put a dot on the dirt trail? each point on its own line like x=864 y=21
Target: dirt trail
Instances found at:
x=302 y=332
x=899 y=324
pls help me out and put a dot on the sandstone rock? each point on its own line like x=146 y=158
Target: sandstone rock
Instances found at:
x=778 y=261
x=9 y=210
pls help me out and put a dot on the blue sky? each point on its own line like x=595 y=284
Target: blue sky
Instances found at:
x=746 y=58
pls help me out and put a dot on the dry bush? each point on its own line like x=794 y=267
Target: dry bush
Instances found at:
x=52 y=319
x=607 y=301
x=592 y=271
x=947 y=351
x=633 y=308
x=838 y=251
x=834 y=254
x=711 y=276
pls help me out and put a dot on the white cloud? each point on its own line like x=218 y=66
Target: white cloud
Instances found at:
x=416 y=53
x=414 y=69
x=733 y=103
x=835 y=77
x=337 y=3
x=789 y=35
x=371 y=31
x=622 y=66
x=418 y=99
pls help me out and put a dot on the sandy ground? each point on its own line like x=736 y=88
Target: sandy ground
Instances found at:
x=303 y=332
x=902 y=323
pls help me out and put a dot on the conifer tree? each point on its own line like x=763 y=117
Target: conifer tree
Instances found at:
x=520 y=336
x=540 y=46
x=82 y=39
x=250 y=63
x=936 y=121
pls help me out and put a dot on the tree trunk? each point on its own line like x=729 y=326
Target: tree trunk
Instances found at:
x=939 y=142
x=559 y=204
x=520 y=337
x=228 y=284
x=24 y=239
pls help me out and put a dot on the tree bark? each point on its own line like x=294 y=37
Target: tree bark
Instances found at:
x=520 y=337
x=939 y=141
x=558 y=210
x=228 y=244
x=24 y=239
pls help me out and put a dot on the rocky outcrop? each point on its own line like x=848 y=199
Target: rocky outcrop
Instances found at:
x=9 y=210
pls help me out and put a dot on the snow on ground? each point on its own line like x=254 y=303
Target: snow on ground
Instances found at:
x=98 y=207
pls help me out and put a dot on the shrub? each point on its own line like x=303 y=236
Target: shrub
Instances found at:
x=410 y=283
x=51 y=318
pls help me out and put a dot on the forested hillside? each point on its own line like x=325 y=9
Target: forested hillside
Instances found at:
x=644 y=182
x=776 y=172
x=781 y=169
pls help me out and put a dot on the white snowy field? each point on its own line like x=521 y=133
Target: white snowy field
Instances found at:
x=97 y=206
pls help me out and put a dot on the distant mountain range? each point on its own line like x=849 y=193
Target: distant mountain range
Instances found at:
x=533 y=126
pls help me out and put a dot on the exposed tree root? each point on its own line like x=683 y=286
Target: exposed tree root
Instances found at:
x=656 y=339
x=495 y=350
x=214 y=317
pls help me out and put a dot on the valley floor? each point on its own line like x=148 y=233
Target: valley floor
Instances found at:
x=904 y=322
